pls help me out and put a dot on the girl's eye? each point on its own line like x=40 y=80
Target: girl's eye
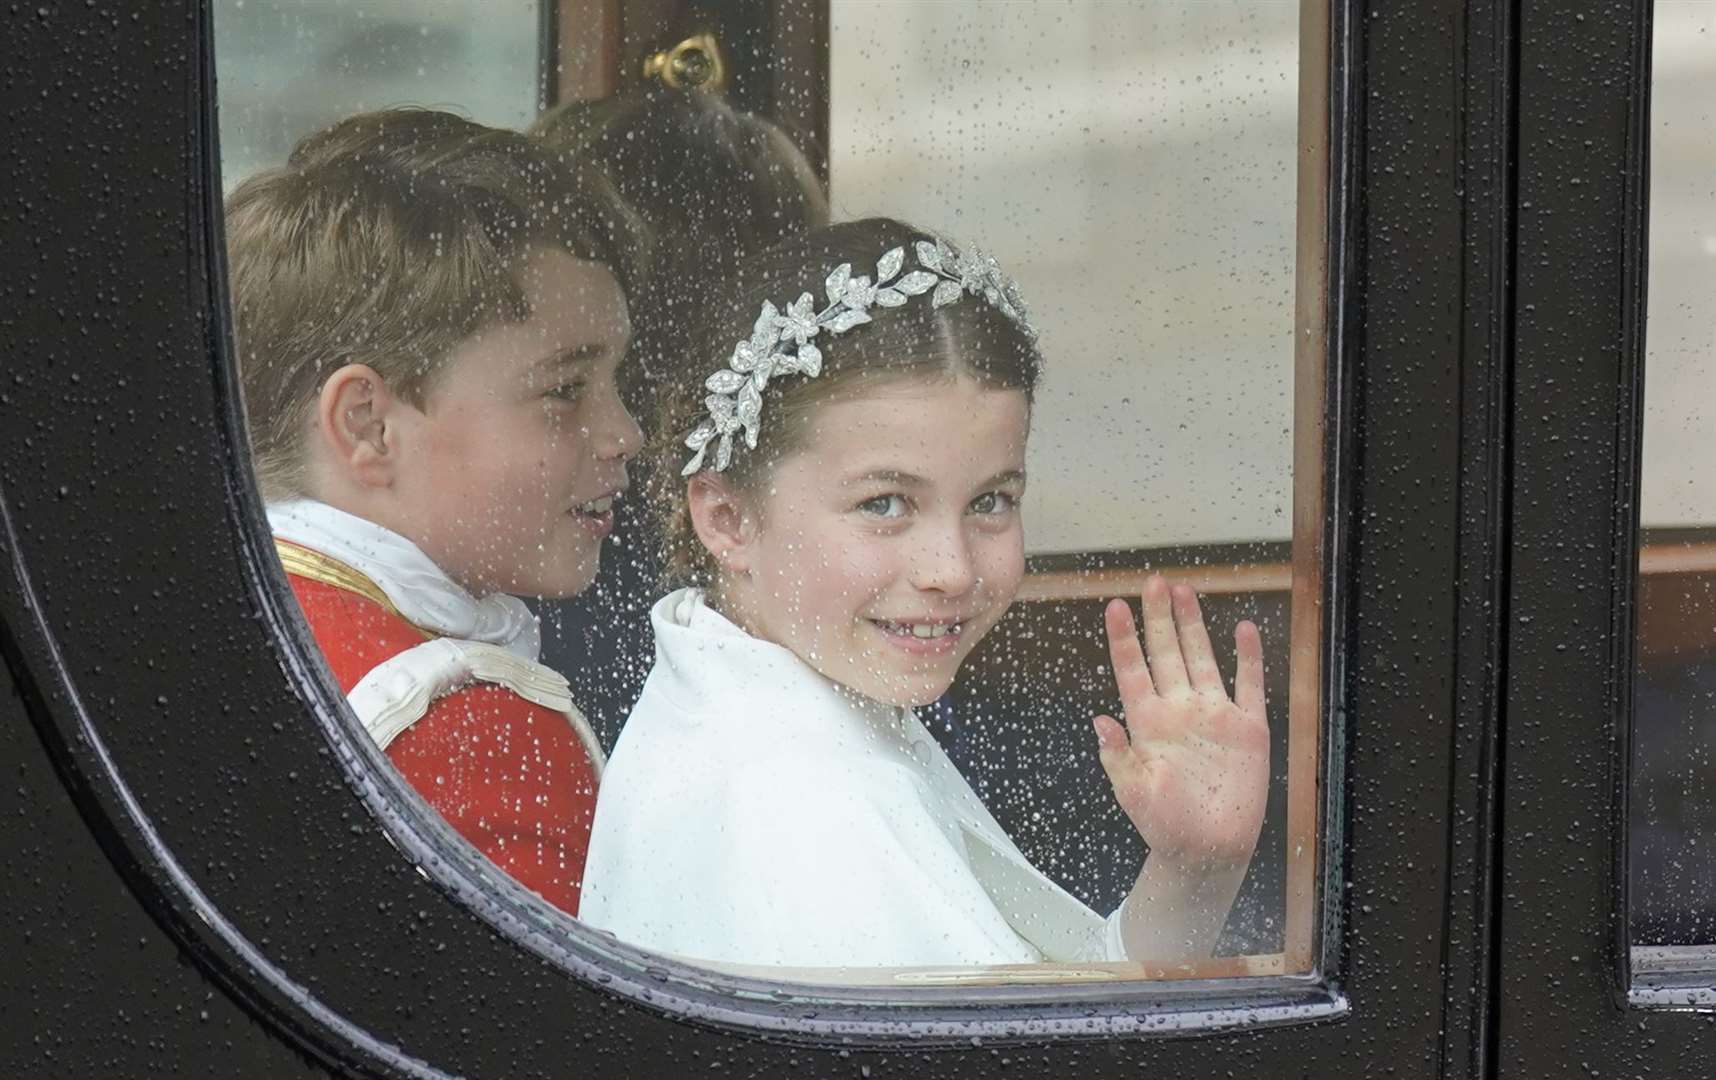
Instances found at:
x=993 y=502
x=885 y=506
x=571 y=391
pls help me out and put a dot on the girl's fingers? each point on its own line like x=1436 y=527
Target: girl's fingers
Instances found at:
x=1131 y=673
x=1161 y=638
x=1248 y=683
x=1110 y=735
x=1195 y=647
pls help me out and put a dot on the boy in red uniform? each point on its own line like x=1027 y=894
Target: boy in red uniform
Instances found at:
x=429 y=315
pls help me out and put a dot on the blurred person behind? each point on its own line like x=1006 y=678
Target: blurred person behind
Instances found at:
x=713 y=184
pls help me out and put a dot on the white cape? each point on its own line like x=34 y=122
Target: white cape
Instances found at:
x=756 y=813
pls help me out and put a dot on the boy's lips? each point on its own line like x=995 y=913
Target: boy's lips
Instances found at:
x=597 y=515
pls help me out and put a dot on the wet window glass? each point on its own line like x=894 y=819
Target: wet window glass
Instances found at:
x=832 y=494
x=1673 y=793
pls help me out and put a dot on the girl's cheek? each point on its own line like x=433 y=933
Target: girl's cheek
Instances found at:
x=863 y=568
x=1004 y=564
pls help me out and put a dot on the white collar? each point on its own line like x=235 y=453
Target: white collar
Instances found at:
x=422 y=591
x=703 y=658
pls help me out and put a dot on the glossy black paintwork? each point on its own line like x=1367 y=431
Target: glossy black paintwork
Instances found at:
x=183 y=776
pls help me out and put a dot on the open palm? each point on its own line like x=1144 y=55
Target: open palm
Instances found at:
x=1190 y=766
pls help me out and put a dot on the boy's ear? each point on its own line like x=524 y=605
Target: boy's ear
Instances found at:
x=357 y=421
x=723 y=522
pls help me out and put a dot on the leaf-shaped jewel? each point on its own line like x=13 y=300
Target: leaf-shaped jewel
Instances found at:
x=724 y=382
x=946 y=293
x=859 y=293
x=928 y=256
x=721 y=412
x=836 y=283
x=799 y=322
x=846 y=320
x=764 y=340
x=700 y=435
x=696 y=461
x=945 y=254
x=916 y=283
x=750 y=410
x=970 y=268
x=744 y=357
x=890 y=298
x=776 y=364
x=724 y=453
x=810 y=360
x=766 y=320
x=890 y=264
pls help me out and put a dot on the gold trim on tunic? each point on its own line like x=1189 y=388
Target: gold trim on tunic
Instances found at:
x=304 y=563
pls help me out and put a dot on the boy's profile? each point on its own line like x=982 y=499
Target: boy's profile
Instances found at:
x=429 y=316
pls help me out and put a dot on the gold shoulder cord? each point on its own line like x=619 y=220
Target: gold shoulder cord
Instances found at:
x=315 y=566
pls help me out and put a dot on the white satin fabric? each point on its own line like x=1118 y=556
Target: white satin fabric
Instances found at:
x=421 y=591
x=756 y=813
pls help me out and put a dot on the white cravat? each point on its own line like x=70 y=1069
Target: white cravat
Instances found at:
x=494 y=640
x=422 y=591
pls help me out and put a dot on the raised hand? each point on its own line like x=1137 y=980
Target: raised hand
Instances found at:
x=1190 y=766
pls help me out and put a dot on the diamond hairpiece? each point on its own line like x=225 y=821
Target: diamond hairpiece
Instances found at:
x=780 y=341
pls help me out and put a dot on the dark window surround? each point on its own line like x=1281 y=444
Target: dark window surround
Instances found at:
x=153 y=642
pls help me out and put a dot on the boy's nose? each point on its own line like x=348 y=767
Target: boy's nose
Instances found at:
x=616 y=434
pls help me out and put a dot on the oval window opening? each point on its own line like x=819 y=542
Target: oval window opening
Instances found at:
x=830 y=501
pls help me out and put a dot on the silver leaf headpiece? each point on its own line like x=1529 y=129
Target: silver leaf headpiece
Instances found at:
x=781 y=341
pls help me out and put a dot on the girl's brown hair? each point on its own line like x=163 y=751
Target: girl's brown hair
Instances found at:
x=914 y=341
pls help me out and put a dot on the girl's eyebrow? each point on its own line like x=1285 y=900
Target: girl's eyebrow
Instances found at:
x=888 y=476
x=906 y=479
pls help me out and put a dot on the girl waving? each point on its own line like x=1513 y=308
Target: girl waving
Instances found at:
x=840 y=477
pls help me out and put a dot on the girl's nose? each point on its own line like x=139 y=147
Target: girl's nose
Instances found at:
x=944 y=564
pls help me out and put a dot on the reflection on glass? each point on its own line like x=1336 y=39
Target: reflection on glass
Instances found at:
x=287 y=68
x=1133 y=166
x=856 y=759
x=1673 y=795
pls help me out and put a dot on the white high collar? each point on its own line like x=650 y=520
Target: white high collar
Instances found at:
x=422 y=591
x=708 y=665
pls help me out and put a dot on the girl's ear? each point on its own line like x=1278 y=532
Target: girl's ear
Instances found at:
x=723 y=522
x=357 y=425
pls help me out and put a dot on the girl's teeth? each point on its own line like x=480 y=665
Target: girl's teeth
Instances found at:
x=597 y=506
x=927 y=630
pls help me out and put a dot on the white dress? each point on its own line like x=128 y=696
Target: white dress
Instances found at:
x=756 y=813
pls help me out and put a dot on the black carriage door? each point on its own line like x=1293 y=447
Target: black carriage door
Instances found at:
x=1604 y=872
x=1344 y=314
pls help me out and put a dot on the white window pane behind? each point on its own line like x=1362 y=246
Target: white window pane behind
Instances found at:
x=1673 y=797
x=291 y=67
x=1133 y=166
x=1679 y=483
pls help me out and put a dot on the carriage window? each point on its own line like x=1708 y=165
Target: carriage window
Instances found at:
x=834 y=498
x=1673 y=794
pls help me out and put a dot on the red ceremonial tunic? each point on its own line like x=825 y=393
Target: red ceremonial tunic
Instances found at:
x=511 y=776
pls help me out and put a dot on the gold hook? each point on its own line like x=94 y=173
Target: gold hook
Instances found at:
x=694 y=63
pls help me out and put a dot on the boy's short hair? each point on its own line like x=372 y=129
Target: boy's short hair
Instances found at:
x=386 y=240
